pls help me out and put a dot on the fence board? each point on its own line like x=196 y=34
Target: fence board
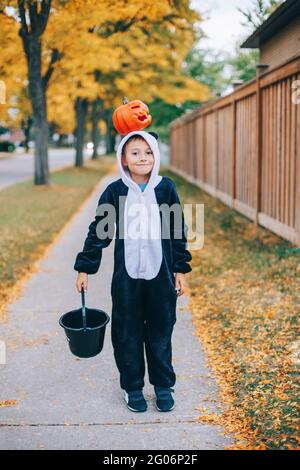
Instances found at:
x=245 y=149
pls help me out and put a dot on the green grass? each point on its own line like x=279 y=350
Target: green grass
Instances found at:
x=31 y=216
x=245 y=299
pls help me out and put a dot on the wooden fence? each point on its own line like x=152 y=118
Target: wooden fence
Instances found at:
x=244 y=148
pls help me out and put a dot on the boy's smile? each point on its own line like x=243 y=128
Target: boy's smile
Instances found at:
x=140 y=160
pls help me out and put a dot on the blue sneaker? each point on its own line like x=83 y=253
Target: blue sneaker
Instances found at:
x=164 y=399
x=135 y=400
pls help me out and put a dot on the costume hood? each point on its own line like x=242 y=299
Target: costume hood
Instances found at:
x=142 y=224
x=155 y=178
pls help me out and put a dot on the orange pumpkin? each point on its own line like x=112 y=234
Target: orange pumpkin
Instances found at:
x=131 y=116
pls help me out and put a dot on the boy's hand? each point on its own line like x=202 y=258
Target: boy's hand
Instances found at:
x=82 y=281
x=180 y=283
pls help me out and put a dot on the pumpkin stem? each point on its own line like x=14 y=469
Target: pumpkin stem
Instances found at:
x=125 y=100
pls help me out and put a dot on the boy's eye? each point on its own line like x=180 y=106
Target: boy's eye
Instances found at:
x=149 y=152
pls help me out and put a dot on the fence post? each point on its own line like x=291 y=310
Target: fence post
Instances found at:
x=297 y=176
x=204 y=163
x=217 y=158
x=260 y=68
x=233 y=191
x=195 y=149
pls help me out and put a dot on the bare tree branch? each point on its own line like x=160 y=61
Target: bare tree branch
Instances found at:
x=54 y=58
x=22 y=12
x=43 y=16
x=33 y=15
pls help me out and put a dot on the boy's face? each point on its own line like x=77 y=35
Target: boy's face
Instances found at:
x=138 y=157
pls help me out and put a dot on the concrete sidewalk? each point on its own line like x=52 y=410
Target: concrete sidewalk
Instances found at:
x=64 y=402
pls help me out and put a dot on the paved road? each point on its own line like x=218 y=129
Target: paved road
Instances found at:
x=19 y=167
x=64 y=402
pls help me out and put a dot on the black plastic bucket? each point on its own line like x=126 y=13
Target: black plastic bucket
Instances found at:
x=85 y=330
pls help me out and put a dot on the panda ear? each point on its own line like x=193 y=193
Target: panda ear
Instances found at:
x=154 y=134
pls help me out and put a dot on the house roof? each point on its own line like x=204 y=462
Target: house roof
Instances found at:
x=279 y=19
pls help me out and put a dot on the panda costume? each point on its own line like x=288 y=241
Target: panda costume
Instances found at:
x=143 y=282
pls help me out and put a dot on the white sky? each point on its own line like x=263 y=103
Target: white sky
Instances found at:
x=222 y=22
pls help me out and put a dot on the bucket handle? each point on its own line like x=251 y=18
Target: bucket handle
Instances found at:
x=83 y=309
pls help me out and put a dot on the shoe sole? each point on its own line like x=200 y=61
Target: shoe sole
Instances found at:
x=170 y=409
x=132 y=409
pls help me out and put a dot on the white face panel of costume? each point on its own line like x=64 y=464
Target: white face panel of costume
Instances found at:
x=142 y=225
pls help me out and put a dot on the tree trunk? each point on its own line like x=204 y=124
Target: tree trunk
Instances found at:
x=60 y=141
x=33 y=21
x=95 y=129
x=26 y=127
x=39 y=108
x=110 y=137
x=81 y=108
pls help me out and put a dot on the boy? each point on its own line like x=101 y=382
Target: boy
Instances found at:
x=143 y=288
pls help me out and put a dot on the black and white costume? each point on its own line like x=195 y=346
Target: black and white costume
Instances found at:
x=143 y=283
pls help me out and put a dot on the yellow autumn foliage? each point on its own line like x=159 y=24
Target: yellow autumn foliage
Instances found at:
x=134 y=49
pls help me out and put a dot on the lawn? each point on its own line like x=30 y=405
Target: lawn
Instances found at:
x=31 y=216
x=245 y=302
x=244 y=297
